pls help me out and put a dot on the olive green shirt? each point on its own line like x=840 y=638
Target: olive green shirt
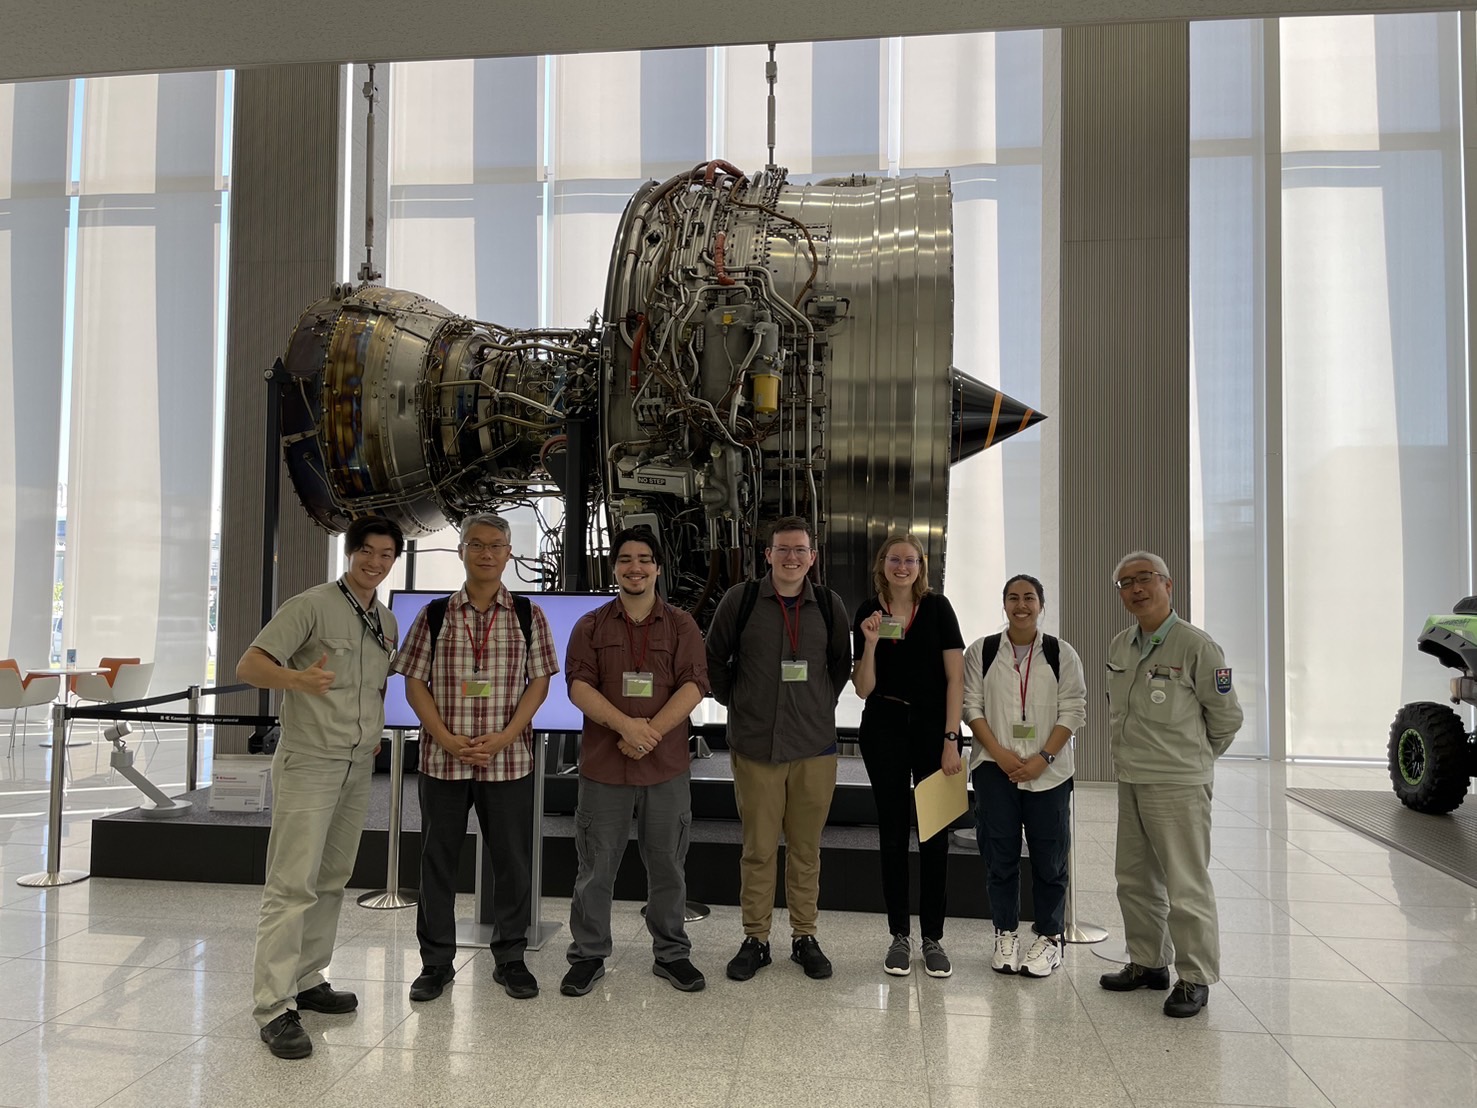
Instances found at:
x=348 y=720
x=1172 y=710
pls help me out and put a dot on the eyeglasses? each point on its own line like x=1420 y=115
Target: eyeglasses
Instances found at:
x=475 y=547
x=788 y=551
x=1123 y=584
x=906 y=563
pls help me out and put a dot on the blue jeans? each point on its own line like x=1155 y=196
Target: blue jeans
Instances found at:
x=1000 y=812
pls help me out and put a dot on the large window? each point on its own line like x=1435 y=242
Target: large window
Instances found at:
x=112 y=249
x=1370 y=467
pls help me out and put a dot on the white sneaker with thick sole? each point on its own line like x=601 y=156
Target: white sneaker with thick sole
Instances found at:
x=1043 y=956
x=1007 y=950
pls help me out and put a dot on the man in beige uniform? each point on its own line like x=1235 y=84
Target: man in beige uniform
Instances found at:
x=330 y=649
x=1172 y=713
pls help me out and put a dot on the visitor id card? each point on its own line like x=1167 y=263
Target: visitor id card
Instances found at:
x=477 y=687
x=890 y=628
x=795 y=669
x=636 y=685
x=1023 y=730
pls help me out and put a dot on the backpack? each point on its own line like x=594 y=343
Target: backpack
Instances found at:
x=1051 y=650
x=746 y=609
x=436 y=616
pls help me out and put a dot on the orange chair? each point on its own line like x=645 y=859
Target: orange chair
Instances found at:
x=110 y=665
x=129 y=680
x=21 y=694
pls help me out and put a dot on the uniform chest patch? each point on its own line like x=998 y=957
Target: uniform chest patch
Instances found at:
x=1223 y=681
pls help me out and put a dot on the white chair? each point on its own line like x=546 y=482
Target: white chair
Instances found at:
x=130 y=682
x=22 y=695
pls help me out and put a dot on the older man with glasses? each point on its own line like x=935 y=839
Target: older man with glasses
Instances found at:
x=1172 y=712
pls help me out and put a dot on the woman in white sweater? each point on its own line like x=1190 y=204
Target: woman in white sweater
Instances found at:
x=1024 y=697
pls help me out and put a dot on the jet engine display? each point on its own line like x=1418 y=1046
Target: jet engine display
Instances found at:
x=766 y=348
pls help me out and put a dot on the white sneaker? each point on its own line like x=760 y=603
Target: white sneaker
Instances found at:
x=1007 y=950
x=1043 y=956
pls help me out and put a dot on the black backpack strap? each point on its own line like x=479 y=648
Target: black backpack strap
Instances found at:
x=524 y=607
x=990 y=648
x=746 y=609
x=827 y=605
x=1051 y=646
x=435 y=617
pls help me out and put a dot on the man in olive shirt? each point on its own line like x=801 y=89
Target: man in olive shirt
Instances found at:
x=1172 y=713
x=636 y=669
x=778 y=662
x=330 y=649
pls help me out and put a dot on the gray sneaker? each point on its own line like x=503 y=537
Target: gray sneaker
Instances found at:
x=935 y=961
x=899 y=960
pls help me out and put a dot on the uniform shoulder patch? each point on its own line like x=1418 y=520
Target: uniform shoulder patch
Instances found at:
x=1223 y=680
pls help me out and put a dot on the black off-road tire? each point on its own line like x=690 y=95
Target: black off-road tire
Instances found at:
x=1428 y=757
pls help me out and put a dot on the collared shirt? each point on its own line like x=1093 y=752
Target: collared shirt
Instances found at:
x=503 y=662
x=1171 y=711
x=770 y=720
x=349 y=719
x=1148 y=640
x=668 y=645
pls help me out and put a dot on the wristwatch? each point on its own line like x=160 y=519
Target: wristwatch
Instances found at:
x=955 y=738
x=1047 y=755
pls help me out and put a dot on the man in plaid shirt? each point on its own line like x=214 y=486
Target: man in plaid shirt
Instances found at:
x=475 y=691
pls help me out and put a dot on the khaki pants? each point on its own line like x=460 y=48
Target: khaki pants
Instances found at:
x=318 y=808
x=1164 y=888
x=794 y=797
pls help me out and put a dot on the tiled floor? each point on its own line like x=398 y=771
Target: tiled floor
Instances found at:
x=1350 y=980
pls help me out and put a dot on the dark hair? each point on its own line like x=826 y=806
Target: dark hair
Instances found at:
x=792 y=523
x=362 y=528
x=1028 y=579
x=636 y=534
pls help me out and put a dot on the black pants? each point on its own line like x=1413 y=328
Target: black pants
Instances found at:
x=505 y=814
x=902 y=745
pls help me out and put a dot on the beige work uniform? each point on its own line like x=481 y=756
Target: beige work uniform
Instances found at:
x=320 y=787
x=1172 y=713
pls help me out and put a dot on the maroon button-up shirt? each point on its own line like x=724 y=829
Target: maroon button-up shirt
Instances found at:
x=601 y=650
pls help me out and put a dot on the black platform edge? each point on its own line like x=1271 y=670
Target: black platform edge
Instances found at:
x=232 y=849
x=1446 y=842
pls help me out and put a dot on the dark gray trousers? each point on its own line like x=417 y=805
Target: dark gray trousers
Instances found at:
x=505 y=814
x=602 y=827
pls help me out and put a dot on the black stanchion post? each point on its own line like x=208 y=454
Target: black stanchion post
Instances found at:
x=192 y=742
x=392 y=895
x=54 y=874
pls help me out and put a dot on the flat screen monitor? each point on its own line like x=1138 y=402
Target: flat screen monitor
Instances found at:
x=563 y=611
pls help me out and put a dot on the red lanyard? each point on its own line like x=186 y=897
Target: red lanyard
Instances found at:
x=793 y=633
x=888 y=609
x=479 y=651
x=631 y=639
x=1026 y=680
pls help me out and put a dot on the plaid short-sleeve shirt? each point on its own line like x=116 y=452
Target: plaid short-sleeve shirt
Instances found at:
x=457 y=652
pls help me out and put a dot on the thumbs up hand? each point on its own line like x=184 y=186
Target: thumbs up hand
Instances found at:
x=315 y=679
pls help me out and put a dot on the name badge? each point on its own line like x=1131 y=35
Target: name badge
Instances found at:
x=1023 y=730
x=637 y=685
x=1157 y=690
x=891 y=628
x=477 y=687
x=796 y=669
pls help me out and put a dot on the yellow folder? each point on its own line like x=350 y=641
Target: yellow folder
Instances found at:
x=941 y=800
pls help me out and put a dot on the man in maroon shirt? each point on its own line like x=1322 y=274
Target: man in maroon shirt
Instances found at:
x=636 y=668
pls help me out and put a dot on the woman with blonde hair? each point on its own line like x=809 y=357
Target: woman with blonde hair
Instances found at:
x=910 y=671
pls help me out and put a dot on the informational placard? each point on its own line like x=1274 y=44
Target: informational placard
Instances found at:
x=563 y=611
x=240 y=783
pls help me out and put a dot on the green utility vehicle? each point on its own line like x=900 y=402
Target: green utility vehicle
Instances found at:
x=1432 y=756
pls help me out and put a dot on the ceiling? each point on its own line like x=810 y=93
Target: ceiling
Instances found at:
x=63 y=38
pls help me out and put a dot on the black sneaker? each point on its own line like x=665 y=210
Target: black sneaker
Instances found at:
x=752 y=957
x=430 y=983
x=684 y=976
x=323 y=997
x=285 y=1036
x=805 y=950
x=1134 y=976
x=1186 y=999
x=515 y=979
x=899 y=959
x=582 y=976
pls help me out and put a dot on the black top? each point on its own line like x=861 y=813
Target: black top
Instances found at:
x=912 y=669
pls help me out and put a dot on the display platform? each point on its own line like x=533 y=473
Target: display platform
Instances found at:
x=231 y=847
x=1448 y=842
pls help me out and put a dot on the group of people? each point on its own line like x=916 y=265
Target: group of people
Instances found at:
x=778 y=655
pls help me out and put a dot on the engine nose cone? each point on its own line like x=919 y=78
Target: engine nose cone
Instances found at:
x=984 y=416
